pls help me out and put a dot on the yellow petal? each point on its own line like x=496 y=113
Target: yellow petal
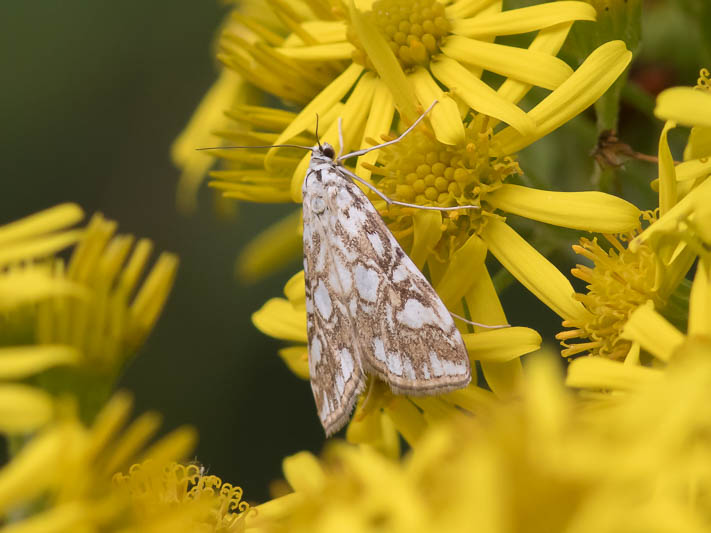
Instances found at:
x=72 y=516
x=479 y=96
x=597 y=73
x=667 y=174
x=176 y=446
x=684 y=105
x=588 y=211
x=501 y=345
x=533 y=270
x=37 y=466
x=693 y=169
x=208 y=117
x=699 y=143
x=294 y=290
x=246 y=188
x=548 y=41
x=444 y=117
x=32 y=285
x=297 y=359
x=271 y=249
x=598 y=373
x=37 y=247
x=700 y=301
x=484 y=306
x=304 y=472
x=277 y=318
x=536 y=68
x=319 y=52
x=407 y=419
x=428 y=230
x=320 y=104
x=386 y=64
x=652 y=332
x=468 y=8
x=52 y=219
x=23 y=408
x=379 y=121
x=523 y=20
x=23 y=361
x=461 y=268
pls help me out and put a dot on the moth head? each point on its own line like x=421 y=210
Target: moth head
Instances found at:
x=328 y=151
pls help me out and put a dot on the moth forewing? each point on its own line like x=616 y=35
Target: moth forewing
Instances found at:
x=369 y=308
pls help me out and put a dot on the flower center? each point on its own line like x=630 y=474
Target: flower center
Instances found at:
x=618 y=283
x=413 y=29
x=423 y=171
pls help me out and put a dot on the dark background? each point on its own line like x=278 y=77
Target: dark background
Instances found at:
x=93 y=94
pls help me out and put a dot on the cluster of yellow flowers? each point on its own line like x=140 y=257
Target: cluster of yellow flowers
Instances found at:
x=621 y=443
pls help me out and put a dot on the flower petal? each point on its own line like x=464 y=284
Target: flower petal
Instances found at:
x=458 y=278
x=530 y=66
x=468 y=8
x=297 y=359
x=599 y=373
x=548 y=41
x=700 y=302
x=23 y=409
x=479 y=96
x=271 y=249
x=444 y=117
x=277 y=318
x=483 y=303
x=303 y=472
x=386 y=64
x=53 y=219
x=597 y=73
x=533 y=270
x=428 y=231
x=588 y=210
x=667 y=173
x=320 y=104
x=693 y=169
x=501 y=345
x=652 y=332
x=407 y=418
x=684 y=105
x=33 y=284
x=319 y=52
x=523 y=20
x=379 y=121
x=294 y=290
x=23 y=361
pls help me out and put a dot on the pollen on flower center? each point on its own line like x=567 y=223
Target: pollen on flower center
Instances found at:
x=619 y=282
x=413 y=29
x=420 y=170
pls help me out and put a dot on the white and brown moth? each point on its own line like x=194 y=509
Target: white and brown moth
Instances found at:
x=369 y=308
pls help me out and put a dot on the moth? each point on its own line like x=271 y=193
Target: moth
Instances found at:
x=369 y=308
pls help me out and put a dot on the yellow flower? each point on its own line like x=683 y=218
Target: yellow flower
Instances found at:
x=87 y=319
x=407 y=48
x=646 y=332
x=191 y=499
x=541 y=463
x=64 y=474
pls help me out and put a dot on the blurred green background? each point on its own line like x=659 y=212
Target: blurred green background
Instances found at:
x=93 y=93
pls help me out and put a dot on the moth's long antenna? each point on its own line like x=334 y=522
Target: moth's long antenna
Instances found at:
x=340 y=137
x=256 y=146
x=318 y=141
x=408 y=130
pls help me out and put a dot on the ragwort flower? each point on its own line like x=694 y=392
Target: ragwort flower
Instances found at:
x=64 y=474
x=543 y=462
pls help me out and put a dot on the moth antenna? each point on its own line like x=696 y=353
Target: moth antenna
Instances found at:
x=318 y=141
x=472 y=323
x=404 y=133
x=340 y=137
x=255 y=146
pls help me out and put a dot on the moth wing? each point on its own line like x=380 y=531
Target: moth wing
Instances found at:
x=406 y=335
x=336 y=373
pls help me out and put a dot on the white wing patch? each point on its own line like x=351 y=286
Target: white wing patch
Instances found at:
x=369 y=309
